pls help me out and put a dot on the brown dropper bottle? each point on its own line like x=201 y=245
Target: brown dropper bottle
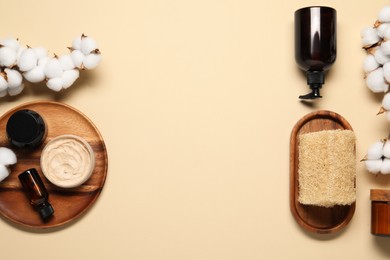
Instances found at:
x=315 y=44
x=36 y=193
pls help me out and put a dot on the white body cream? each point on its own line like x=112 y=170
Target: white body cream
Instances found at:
x=67 y=161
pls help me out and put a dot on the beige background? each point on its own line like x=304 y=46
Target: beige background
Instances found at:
x=196 y=101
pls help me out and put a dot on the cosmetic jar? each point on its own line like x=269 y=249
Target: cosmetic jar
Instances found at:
x=26 y=129
x=67 y=161
x=380 y=212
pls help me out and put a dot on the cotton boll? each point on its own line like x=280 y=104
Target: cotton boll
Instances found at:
x=384 y=14
x=370 y=63
x=385 y=47
x=386 y=102
x=380 y=30
x=66 y=62
x=43 y=61
x=76 y=44
x=380 y=57
x=375 y=151
x=91 y=61
x=11 y=43
x=385 y=167
x=87 y=45
x=53 y=68
x=386 y=149
x=4 y=172
x=77 y=58
x=373 y=166
x=7 y=156
x=35 y=75
x=40 y=52
x=369 y=37
x=54 y=84
x=15 y=90
x=386 y=33
x=14 y=78
x=27 y=60
x=7 y=56
x=3 y=83
x=69 y=77
x=386 y=71
x=376 y=82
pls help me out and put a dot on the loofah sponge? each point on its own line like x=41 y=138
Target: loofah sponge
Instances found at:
x=327 y=168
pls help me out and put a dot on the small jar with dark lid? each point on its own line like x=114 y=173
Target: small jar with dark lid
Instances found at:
x=380 y=212
x=26 y=129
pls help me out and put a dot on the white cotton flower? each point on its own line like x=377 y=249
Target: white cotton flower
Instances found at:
x=35 y=75
x=88 y=45
x=386 y=32
x=69 y=77
x=380 y=57
x=369 y=37
x=40 y=52
x=43 y=61
x=15 y=90
x=384 y=14
x=386 y=71
x=53 y=68
x=386 y=103
x=375 y=151
x=380 y=30
x=66 y=62
x=11 y=43
x=385 y=47
x=386 y=149
x=374 y=166
x=7 y=57
x=76 y=44
x=14 y=78
x=7 y=156
x=370 y=63
x=3 y=83
x=27 y=60
x=91 y=61
x=4 y=172
x=54 y=84
x=385 y=167
x=77 y=58
x=376 y=82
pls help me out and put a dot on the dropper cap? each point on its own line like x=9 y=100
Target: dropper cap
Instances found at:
x=315 y=79
x=46 y=211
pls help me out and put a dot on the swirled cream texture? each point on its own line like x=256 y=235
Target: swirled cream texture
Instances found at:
x=67 y=161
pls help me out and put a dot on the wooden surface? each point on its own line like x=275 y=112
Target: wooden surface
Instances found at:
x=313 y=218
x=68 y=204
x=380 y=218
x=380 y=195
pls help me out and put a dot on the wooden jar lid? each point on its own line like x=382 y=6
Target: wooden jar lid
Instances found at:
x=380 y=195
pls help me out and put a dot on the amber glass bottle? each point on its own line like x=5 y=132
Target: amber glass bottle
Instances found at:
x=36 y=193
x=315 y=44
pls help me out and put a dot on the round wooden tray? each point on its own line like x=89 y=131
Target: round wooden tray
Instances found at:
x=68 y=204
x=320 y=220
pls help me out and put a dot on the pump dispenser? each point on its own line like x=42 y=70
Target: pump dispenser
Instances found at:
x=315 y=45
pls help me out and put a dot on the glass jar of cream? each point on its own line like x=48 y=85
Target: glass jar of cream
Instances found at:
x=67 y=161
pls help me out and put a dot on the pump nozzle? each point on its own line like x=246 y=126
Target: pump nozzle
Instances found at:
x=315 y=79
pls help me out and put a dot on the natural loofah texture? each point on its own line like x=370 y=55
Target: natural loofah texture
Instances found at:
x=327 y=168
